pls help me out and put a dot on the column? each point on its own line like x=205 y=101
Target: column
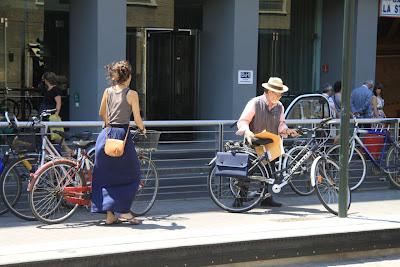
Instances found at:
x=229 y=43
x=97 y=37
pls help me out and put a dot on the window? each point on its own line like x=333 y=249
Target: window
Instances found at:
x=39 y=2
x=273 y=6
x=142 y=2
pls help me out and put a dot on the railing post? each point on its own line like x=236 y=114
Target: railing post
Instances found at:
x=396 y=129
x=221 y=137
x=347 y=65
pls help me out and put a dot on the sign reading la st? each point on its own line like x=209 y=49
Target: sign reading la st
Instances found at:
x=389 y=8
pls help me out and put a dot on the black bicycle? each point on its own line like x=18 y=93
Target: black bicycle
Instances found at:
x=242 y=193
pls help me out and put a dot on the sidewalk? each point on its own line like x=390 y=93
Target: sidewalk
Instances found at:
x=178 y=227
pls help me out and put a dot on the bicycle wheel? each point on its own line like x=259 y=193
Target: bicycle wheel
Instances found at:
x=26 y=110
x=14 y=183
x=3 y=207
x=393 y=165
x=237 y=194
x=12 y=107
x=300 y=180
x=46 y=196
x=357 y=165
x=148 y=187
x=325 y=173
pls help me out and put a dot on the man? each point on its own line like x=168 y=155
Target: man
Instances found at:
x=360 y=100
x=327 y=91
x=266 y=112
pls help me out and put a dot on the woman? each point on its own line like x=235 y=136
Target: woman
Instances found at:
x=51 y=93
x=116 y=179
x=52 y=100
x=378 y=102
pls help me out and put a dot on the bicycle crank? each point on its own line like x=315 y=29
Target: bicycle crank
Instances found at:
x=276 y=188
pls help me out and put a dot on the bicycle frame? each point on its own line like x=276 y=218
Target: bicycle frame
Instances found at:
x=80 y=195
x=47 y=148
x=356 y=139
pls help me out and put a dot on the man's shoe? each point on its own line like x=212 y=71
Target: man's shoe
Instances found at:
x=270 y=202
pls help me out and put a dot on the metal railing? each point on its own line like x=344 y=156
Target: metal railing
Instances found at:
x=186 y=147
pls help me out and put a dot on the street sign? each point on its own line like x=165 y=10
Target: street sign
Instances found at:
x=389 y=8
x=245 y=77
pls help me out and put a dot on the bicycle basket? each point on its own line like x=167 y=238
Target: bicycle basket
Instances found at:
x=24 y=142
x=148 y=141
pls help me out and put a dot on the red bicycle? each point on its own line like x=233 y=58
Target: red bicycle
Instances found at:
x=60 y=186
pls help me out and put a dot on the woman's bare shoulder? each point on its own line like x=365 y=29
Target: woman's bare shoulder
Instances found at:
x=132 y=93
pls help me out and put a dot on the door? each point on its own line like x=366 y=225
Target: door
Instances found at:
x=289 y=53
x=171 y=75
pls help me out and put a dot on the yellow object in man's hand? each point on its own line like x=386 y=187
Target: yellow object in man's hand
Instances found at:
x=274 y=149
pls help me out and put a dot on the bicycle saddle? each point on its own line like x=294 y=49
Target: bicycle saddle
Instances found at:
x=260 y=142
x=84 y=144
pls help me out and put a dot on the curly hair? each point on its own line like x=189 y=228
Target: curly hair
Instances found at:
x=118 y=72
x=50 y=77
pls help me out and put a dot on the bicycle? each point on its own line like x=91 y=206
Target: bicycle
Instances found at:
x=23 y=159
x=60 y=186
x=241 y=194
x=8 y=104
x=388 y=160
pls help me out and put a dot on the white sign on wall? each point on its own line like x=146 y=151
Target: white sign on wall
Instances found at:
x=389 y=8
x=245 y=77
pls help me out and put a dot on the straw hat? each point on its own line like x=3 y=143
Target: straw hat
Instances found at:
x=276 y=85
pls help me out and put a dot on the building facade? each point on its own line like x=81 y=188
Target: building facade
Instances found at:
x=192 y=59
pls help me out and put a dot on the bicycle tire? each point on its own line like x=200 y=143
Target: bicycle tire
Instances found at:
x=356 y=173
x=300 y=181
x=91 y=153
x=12 y=107
x=148 y=187
x=393 y=165
x=236 y=203
x=3 y=207
x=13 y=184
x=325 y=173
x=48 y=178
x=26 y=111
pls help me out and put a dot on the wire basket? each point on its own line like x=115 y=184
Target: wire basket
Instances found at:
x=148 y=141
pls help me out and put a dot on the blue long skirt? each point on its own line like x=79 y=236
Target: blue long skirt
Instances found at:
x=115 y=179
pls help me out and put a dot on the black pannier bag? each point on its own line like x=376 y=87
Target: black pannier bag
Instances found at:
x=231 y=164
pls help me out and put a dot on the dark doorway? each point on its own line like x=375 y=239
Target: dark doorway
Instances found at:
x=289 y=53
x=388 y=63
x=171 y=75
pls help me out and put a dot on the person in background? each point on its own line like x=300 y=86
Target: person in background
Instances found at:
x=378 y=102
x=360 y=100
x=51 y=93
x=327 y=91
x=52 y=100
x=337 y=97
x=266 y=112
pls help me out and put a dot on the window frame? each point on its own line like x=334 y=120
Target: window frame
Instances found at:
x=283 y=11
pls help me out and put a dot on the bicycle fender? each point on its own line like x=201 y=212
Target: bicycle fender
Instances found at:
x=34 y=176
x=312 y=173
x=212 y=161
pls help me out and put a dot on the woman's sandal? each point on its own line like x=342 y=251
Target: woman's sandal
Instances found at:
x=131 y=220
x=115 y=222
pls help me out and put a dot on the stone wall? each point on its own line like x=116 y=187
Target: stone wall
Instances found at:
x=159 y=16
x=25 y=24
